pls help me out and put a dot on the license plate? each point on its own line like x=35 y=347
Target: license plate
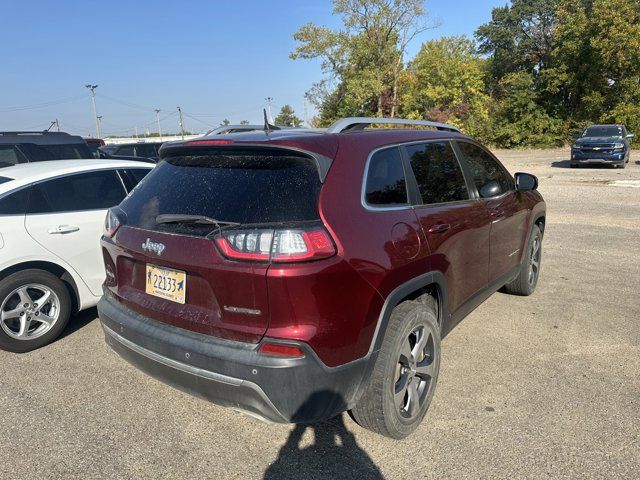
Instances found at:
x=166 y=283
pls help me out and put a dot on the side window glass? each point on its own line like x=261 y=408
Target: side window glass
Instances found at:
x=145 y=151
x=127 y=151
x=386 y=183
x=84 y=191
x=132 y=176
x=10 y=155
x=437 y=172
x=15 y=203
x=489 y=177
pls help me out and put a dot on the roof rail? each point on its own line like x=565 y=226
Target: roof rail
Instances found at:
x=41 y=132
x=360 y=123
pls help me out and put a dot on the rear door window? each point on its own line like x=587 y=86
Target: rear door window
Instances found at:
x=386 y=182
x=485 y=169
x=437 y=172
x=14 y=203
x=73 y=193
x=251 y=188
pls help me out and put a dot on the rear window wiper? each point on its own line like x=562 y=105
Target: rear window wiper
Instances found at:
x=198 y=219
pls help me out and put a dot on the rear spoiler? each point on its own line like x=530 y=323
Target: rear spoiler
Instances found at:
x=201 y=146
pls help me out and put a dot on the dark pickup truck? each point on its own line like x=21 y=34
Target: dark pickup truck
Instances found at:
x=602 y=144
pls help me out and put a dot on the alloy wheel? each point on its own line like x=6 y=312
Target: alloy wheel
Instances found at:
x=415 y=371
x=29 y=312
x=536 y=255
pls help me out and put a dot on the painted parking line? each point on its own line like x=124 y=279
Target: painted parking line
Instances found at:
x=625 y=183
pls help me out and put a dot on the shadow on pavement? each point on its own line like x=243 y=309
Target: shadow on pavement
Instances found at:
x=334 y=454
x=78 y=321
x=567 y=164
x=561 y=164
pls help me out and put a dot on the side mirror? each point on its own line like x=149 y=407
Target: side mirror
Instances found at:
x=526 y=181
x=491 y=189
x=631 y=136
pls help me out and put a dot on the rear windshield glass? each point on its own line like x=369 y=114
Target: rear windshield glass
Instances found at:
x=603 y=131
x=247 y=189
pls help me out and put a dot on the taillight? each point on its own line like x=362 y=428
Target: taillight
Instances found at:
x=111 y=224
x=283 y=245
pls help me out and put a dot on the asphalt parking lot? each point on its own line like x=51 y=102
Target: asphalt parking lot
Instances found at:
x=537 y=387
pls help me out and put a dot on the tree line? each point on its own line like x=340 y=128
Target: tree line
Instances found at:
x=537 y=72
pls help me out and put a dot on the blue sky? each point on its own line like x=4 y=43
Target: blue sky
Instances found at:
x=216 y=59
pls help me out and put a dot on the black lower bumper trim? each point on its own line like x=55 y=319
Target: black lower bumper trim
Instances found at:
x=220 y=389
x=232 y=373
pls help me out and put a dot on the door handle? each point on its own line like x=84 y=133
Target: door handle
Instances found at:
x=497 y=214
x=62 y=229
x=440 y=228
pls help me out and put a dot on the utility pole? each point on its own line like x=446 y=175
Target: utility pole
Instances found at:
x=99 y=117
x=57 y=125
x=136 y=127
x=181 y=125
x=157 y=110
x=269 y=100
x=95 y=112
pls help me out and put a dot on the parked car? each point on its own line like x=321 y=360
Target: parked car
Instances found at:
x=94 y=144
x=25 y=147
x=603 y=144
x=147 y=151
x=294 y=274
x=51 y=218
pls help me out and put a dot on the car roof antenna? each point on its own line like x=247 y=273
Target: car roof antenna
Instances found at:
x=267 y=126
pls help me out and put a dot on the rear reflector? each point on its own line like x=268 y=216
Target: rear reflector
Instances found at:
x=285 y=245
x=279 y=350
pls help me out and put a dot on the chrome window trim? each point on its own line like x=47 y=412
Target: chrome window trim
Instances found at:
x=409 y=206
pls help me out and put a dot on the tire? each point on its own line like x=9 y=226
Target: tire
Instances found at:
x=527 y=279
x=402 y=367
x=573 y=165
x=23 y=329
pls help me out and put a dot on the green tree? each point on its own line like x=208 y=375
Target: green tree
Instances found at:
x=520 y=120
x=287 y=117
x=244 y=122
x=598 y=61
x=225 y=122
x=446 y=82
x=364 y=60
x=519 y=36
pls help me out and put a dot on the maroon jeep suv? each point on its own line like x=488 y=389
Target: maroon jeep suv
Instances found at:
x=297 y=274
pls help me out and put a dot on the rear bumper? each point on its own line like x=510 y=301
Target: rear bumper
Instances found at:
x=231 y=373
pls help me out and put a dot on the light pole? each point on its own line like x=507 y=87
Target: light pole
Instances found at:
x=157 y=110
x=99 y=117
x=95 y=112
x=181 y=125
x=269 y=100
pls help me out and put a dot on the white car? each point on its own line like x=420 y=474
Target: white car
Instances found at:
x=51 y=219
